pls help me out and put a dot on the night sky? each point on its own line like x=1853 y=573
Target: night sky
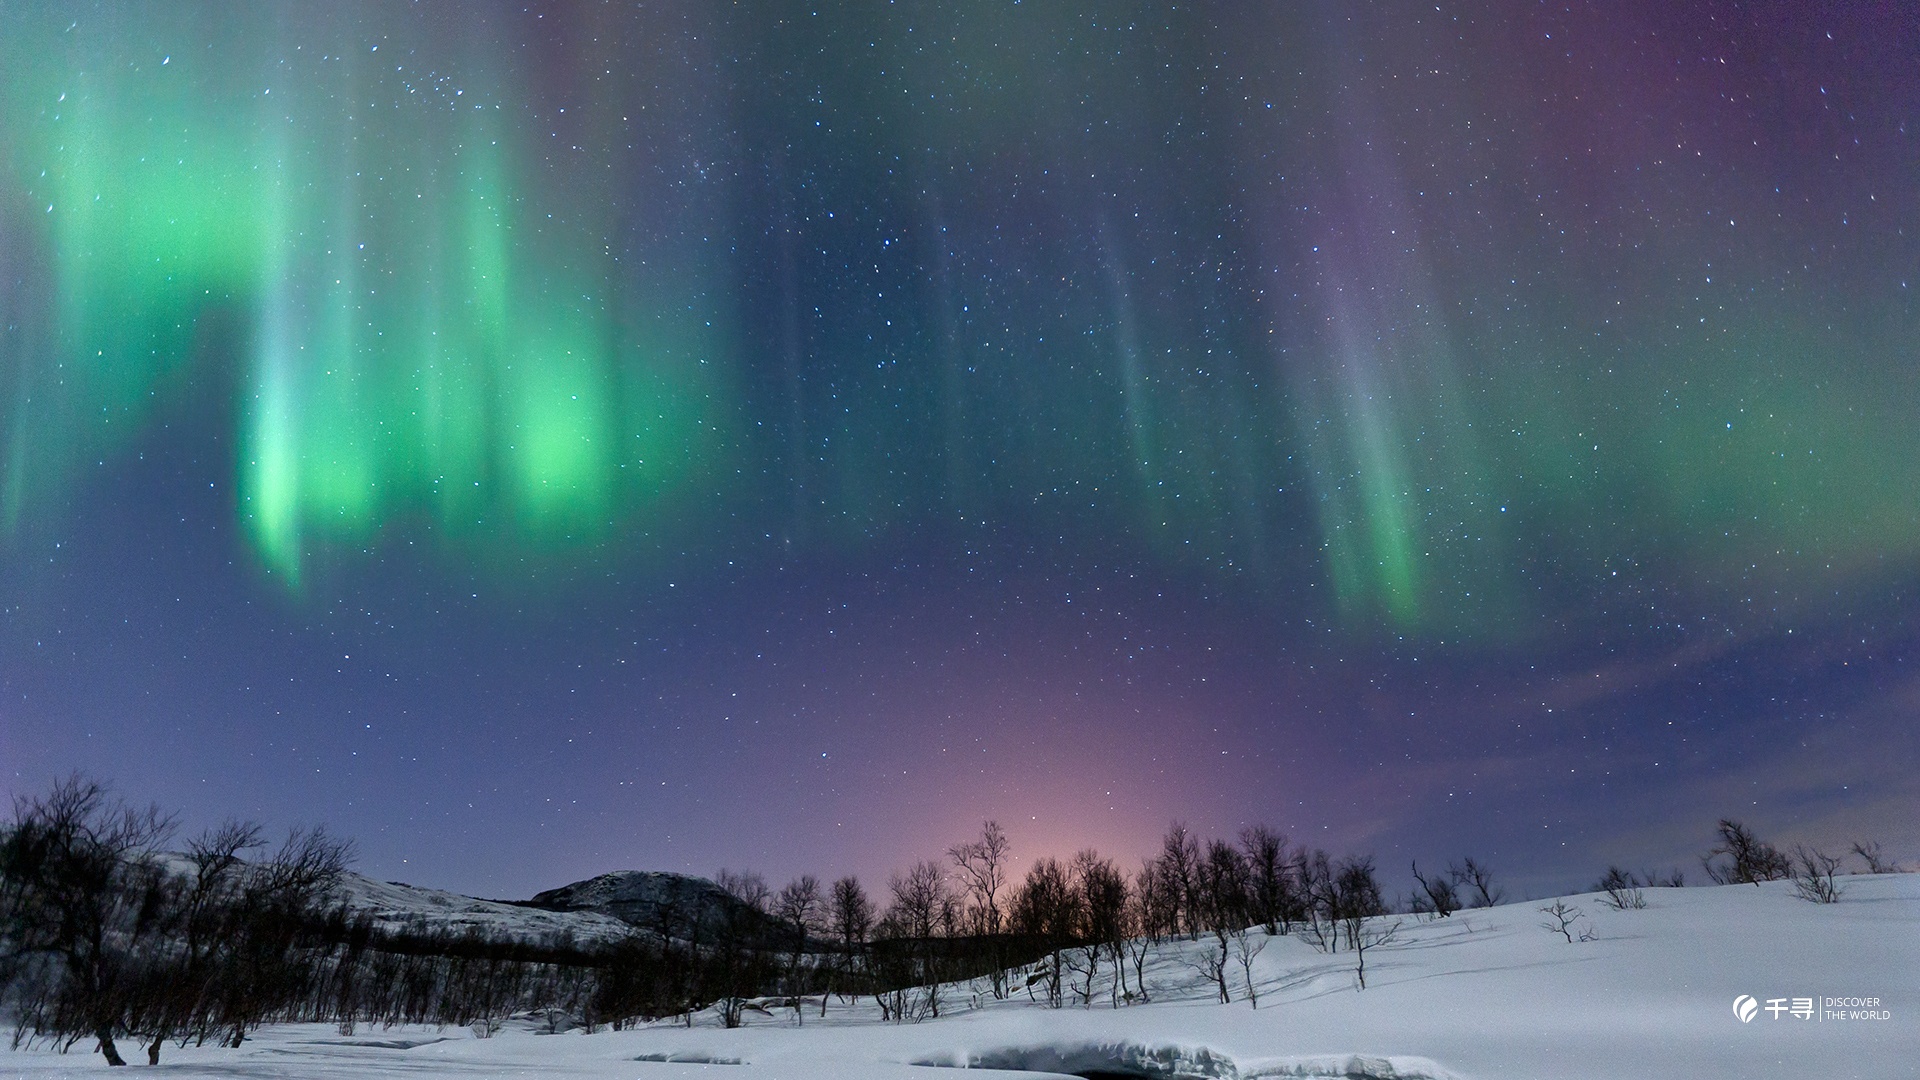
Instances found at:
x=685 y=435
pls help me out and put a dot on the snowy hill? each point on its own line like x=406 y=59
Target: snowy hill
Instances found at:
x=399 y=907
x=1490 y=993
x=600 y=909
x=673 y=905
x=396 y=906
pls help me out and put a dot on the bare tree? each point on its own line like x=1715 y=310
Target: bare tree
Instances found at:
x=1247 y=946
x=1877 y=862
x=799 y=905
x=1813 y=875
x=1371 y=934
x=1180 y=873
x=1477 y=878
x=1225 y=888
x=141 y=949
x=923 y=907
x=1047 y=909
x=736 y=959
x=851 y=920
x=1102 y=896
x=852 y=913
x=921 y=899
x=1749 y=859
x=1212 y=962
x=1560 y=918
x=1358 y=896
x=81 y=904
x=1143 y=928
x=1265 y=852
x=277 y=900
x=205 y=903
x=799 y=909
x=1158 y=902
x=682 y=935
x=1314 y=871
x=982 y=867
x=746 y=886
x=1438 y=894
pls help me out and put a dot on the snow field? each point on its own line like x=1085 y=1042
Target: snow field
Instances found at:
x=1485 y=993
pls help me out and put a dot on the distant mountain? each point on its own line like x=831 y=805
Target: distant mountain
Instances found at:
x=595 y=911
x=397 y=906
x=667 y=905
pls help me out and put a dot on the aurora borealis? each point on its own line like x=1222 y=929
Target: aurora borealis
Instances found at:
x=682 y=435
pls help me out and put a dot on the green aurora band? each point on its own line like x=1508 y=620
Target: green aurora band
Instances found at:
x=421 y=335
x=462 y=307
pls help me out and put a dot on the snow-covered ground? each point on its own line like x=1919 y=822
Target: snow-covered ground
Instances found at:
x=1485 y=993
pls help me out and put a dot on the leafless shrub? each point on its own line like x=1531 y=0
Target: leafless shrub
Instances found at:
x=1813 y=875
x=1623 y=889
x=1750 y=860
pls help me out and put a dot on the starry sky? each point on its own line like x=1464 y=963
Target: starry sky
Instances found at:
x=539 y=441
